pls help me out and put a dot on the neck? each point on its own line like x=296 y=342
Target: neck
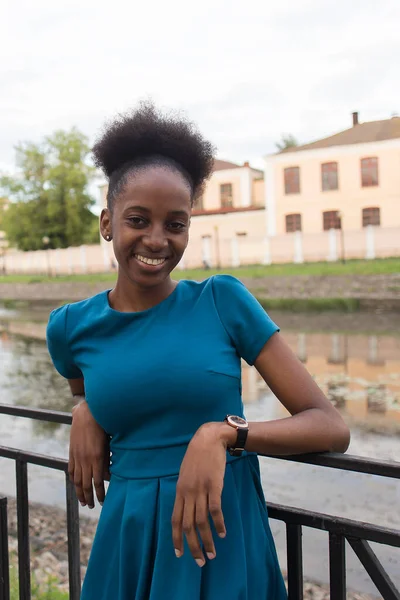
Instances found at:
x=128 y=296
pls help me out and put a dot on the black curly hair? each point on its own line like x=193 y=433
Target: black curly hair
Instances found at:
x=147 y=137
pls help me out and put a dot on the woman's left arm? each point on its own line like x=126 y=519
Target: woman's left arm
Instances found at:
x=314 y=425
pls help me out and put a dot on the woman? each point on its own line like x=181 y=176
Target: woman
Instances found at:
x=157 y=366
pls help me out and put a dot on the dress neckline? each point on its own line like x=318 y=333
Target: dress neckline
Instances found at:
x=166 y=300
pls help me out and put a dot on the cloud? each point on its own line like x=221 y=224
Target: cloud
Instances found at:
x=245 y=71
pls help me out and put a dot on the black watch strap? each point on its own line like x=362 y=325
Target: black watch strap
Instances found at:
x=240 y=442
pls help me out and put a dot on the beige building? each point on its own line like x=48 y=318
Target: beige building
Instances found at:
x=231 y=187
x=228 y=224
x=335 y=198
x=350 y=180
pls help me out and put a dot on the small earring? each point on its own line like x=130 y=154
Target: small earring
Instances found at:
x=108 y=238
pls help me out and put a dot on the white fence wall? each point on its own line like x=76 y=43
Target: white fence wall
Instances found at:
x=369 y=243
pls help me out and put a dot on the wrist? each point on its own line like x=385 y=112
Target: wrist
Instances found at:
x=220 y=431
x=81 y=404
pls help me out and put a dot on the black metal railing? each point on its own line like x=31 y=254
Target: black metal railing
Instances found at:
x=340 y=530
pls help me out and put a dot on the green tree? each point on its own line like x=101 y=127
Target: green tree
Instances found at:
x=287 y=141
x=49 y=197
x=3 y=203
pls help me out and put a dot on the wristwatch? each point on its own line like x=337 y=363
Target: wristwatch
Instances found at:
x=242 y=428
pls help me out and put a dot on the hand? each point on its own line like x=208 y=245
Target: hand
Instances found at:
x=198 y=491
x=89 y=455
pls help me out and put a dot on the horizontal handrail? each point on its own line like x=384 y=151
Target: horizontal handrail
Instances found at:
x=60 y=464
x=40 y=414
x=355 y=532
x=338 y=525
x=345 y=462
x=288 y=514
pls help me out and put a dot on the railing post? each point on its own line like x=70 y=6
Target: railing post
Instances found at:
x=294 y=561
x=4 y=560
x=337 y=566
x=371 y=564
x=24 y=567
x=74 y=562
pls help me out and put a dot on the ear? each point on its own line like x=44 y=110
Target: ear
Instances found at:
x=105 y=224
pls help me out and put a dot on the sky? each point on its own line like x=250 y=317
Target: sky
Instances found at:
x=246 y=72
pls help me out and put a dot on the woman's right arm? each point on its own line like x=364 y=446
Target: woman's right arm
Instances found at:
x=89 y=452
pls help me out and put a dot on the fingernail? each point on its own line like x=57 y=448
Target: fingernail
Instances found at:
x=101 y=503
x=91 y=506
x=83 y=504
x=178 y=553
x=222 y=535
x=210 y=555
x=200 y=562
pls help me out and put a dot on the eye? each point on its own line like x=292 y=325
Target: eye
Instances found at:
x=137 y=221
x=176 y=226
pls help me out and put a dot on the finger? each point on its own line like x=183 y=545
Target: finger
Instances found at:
x=203 y=526
x=98 y=480
x=214 y=506
x=176 y=522
x=189 y=529
x=78 y=484
x=87 y=485
x=106 y=474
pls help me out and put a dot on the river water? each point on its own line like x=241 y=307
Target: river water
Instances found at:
x=354 y=358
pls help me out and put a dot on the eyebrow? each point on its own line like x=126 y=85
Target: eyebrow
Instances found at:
x=176 y=213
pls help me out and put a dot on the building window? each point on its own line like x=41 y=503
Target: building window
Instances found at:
x=331 y=220
x=293 y=222
x=371 y=216
x=292 y=180
x=329 y=175
x=226 y=195
x=369 y=172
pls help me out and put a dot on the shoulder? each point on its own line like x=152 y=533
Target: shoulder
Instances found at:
x=227 y=284
x=61 y=318
x=218 y=289
x=229 y=290
x=215 y=289
x=215 y=282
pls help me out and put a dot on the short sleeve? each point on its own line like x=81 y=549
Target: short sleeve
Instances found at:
x=58 y=346
x=242 y=316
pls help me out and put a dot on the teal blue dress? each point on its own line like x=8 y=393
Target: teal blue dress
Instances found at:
x=152 y=378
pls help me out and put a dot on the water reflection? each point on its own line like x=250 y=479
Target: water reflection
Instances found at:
x=27 y=378
x=360 y=374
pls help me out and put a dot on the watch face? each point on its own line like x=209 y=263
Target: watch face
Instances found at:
x=237 y=421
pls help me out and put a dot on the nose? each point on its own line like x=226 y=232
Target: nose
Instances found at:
x=155 y=239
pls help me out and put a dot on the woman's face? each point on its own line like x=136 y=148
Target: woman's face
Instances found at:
x=149 y=224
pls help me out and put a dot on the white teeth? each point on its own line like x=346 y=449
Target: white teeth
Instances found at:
x=150 y=261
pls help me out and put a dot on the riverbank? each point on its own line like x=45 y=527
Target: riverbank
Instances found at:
x=297 y=293
x=49 y=551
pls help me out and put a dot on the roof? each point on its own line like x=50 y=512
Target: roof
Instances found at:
x=220 y=165
x=363 y=133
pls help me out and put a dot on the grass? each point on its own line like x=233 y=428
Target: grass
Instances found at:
x=48 y=591
x=297 y=305
x=351 y=267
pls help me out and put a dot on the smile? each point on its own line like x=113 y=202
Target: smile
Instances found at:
x=150 y=261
